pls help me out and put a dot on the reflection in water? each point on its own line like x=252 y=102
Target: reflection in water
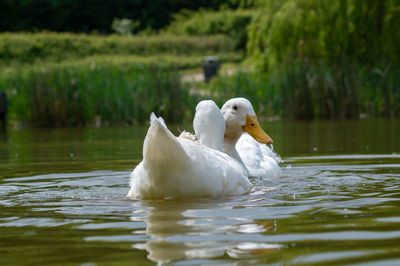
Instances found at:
x=250 y=250
x=178 y=234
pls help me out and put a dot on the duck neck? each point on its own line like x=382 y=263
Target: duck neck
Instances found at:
x=229 y=146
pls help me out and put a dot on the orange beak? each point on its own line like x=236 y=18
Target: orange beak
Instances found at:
x=254 y=129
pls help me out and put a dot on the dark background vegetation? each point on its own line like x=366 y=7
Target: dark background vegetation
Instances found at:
x=85 y=16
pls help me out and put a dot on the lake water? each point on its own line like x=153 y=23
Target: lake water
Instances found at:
x=62 y=201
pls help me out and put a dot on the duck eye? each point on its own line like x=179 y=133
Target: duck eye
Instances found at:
x=235 y=107
x=252 y=124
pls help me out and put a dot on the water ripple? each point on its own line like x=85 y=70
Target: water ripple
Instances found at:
x=324 y=209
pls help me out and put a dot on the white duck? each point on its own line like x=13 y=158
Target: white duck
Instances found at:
x=258 y=158
x=181 y=167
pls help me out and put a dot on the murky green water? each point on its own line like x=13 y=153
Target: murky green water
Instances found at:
x=62 y=201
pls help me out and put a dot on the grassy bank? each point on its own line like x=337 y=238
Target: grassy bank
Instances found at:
x=163 y=61
x=47 y=46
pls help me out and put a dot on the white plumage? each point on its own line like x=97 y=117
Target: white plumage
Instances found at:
x=178 y=167
x=258 y=158
x=209 y=125
x=216 y=165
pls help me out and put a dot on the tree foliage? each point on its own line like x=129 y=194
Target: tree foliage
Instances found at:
x=334 y=32
x=331 y=58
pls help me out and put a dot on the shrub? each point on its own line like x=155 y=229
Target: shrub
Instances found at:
x=329 y=32
x=232 y=23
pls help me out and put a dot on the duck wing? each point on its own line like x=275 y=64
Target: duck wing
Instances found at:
x=258 y=158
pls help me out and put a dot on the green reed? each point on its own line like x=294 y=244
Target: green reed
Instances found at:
x=94 y=92
x=301 y=91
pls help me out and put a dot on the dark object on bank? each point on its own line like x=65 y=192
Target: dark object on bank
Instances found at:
x=211 y=65
x=3 y=108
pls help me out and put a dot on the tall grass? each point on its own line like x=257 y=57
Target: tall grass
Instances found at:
x=304 y=92
x=87 y=93
x=122 y=90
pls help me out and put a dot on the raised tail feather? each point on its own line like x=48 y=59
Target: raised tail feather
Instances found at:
x=161 y=148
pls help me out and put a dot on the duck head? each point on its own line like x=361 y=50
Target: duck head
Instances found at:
x=240 y=117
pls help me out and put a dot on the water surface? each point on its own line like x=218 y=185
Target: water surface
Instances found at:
x=62 y=200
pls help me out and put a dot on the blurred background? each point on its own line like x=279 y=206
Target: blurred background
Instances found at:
x=96 y=63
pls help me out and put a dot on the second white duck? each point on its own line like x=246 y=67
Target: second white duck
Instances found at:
x=242 y=137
